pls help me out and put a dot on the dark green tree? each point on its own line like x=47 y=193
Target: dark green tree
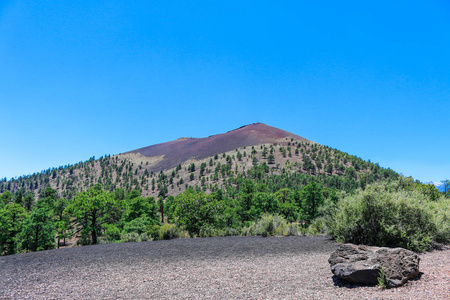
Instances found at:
x=163 y=190
x=50 y=193
x=28 y=201
x=329 y=168
x=239 y=156
x=12 y=217
x=38 y=232
x=318 y=165
x=202 y=168
x=196 y=210
x=48 y=200
x=140 y=207
x=61 y=221
x=288 y=206
x=264 y=152
x=169 y=208
x=245 y=197
x=350 y=173
x=263 y=203
x=312 y=199
x=89 y=210
x=6 y=197
x=19 y=198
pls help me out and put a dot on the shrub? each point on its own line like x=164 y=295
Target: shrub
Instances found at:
x=137 y=225
x=271 y=225
x=144 y=237
x=385 y=214
x=213 y=232
x=316 y=227
x=171 y=231
x=294 y=229
x=84 y=239
x=248 y=230
x=209 y=232
x=130 y=237
x=153 y=231
x=112 y=234
x=440 y=216
x=133 y=237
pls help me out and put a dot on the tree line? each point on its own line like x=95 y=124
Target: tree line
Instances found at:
x=99 y=216
x=289 y=157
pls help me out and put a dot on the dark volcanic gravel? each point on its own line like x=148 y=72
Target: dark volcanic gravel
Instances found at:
x=217 y=268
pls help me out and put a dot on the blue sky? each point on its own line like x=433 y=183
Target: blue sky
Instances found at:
x=82 y=78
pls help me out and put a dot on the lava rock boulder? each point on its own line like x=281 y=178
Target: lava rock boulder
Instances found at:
x=362 y=264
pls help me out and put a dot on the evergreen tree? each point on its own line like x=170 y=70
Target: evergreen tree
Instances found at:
x=19 y=198
x=29 y=201
x=6 y=197
x=90 y=210
x=312 y=199
x=38 y=231
x=61 y=221
x=239 y=156
x=329 y=168
x=202 y=168
x=12 y=217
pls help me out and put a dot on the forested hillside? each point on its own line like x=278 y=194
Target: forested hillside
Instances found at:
x=287 y=186
x=290 y=162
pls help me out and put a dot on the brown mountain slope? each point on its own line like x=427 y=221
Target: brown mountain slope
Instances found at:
x=170 y=154
x=167 y=169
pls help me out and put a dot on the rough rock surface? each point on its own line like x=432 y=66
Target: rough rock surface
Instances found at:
x=361 y=264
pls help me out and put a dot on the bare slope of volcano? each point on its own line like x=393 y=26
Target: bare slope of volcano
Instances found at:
x=181 y=150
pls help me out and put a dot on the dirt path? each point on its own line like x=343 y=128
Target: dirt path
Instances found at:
x=210 y=268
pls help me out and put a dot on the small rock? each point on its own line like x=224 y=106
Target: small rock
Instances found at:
x=361 y=264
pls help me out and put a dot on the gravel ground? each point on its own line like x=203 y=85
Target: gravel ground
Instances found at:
x=208 y=268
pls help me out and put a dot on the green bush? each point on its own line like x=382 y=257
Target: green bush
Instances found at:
x=153 y=231
x=386 y=214
x=144 y=237
x=213 y=232
x=209 y=232
x=440 y=216
x=271 y=225
x=171 y=231
x=294 y=229
x=133 y=237
x=84 y=239
x=316 y=227
x=112 y=234
x=138 y=225
x=130 y=237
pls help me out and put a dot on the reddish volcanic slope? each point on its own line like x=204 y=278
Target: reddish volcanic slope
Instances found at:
x=178 y=151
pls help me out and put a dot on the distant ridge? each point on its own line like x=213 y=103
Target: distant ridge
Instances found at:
x=183 y=149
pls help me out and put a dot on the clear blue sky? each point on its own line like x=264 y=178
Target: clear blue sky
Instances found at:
x=87 y=78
